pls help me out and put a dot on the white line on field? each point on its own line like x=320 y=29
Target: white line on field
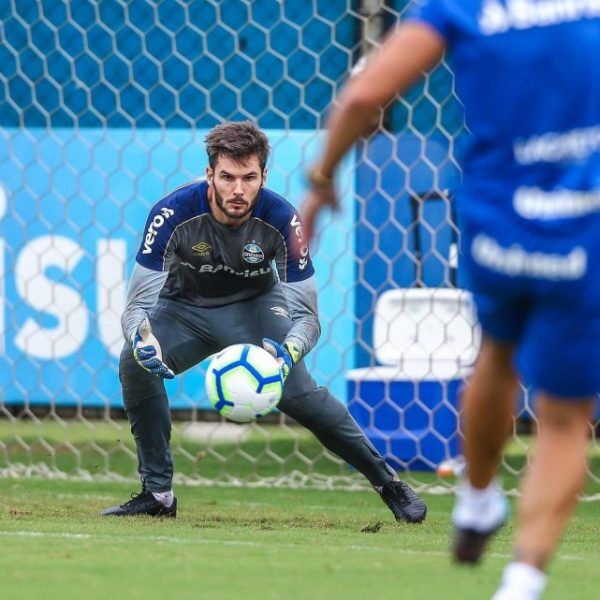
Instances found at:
x=124 y=538
x=213 y=541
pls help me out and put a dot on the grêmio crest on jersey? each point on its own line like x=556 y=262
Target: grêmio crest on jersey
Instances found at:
x=252 y=253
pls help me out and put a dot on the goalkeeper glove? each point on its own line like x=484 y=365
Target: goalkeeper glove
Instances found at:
x=286 y=354
x=147 y=352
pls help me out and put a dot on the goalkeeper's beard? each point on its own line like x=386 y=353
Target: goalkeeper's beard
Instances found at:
x=232 y=213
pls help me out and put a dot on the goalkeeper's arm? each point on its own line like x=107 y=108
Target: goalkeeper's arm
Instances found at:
x=301 y=297
x=142 y=294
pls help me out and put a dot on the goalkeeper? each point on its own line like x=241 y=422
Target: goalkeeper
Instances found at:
x=203 y=280
x=528 y=74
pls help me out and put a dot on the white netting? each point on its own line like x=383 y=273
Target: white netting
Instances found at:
x=103 y=109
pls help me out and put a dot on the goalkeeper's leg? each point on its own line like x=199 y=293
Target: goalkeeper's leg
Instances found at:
x=329 y=420
x=184 y=341
x=147 y=408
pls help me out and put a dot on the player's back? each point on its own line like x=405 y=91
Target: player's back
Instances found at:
x=528 y=74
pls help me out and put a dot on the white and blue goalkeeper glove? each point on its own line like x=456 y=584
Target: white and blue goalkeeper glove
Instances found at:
x=147 y=352
x=286 y=354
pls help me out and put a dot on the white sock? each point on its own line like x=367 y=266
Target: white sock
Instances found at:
x=477 y=496
x=521 y=582
x=165 y=498
x=480 y=509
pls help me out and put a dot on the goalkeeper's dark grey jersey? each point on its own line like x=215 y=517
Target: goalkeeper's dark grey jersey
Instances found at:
x=211 y=264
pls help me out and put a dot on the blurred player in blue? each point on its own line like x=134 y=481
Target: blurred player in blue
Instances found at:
x=204 y=279
x=528 y=73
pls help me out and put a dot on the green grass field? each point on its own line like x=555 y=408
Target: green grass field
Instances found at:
x=253 y=543
x=239 y=542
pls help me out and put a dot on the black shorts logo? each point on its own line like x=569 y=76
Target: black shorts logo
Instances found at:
x=252 y=253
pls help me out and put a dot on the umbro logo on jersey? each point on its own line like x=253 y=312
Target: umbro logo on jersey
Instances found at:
x=280 y=311
x=252 y=253
x=202 y=249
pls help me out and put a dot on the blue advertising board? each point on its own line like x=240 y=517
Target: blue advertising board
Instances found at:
x=72 y=208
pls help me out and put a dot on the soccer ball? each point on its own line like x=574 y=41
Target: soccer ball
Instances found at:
x=243 y=382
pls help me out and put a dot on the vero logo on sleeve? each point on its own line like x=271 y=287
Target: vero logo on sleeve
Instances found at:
x=155 y=225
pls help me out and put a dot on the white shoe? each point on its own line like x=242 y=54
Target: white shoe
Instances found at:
x=477 y=515
x=480 y=510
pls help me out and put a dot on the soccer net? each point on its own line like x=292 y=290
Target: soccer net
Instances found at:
x=103 y=110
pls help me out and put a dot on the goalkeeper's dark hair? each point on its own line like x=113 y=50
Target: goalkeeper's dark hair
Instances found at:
x=237 y=141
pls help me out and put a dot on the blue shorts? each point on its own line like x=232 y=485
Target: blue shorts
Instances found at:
x=539 y=290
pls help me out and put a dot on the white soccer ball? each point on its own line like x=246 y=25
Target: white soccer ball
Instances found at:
x=243 y=382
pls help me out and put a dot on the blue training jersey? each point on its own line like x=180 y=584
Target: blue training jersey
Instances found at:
x=528 y=74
